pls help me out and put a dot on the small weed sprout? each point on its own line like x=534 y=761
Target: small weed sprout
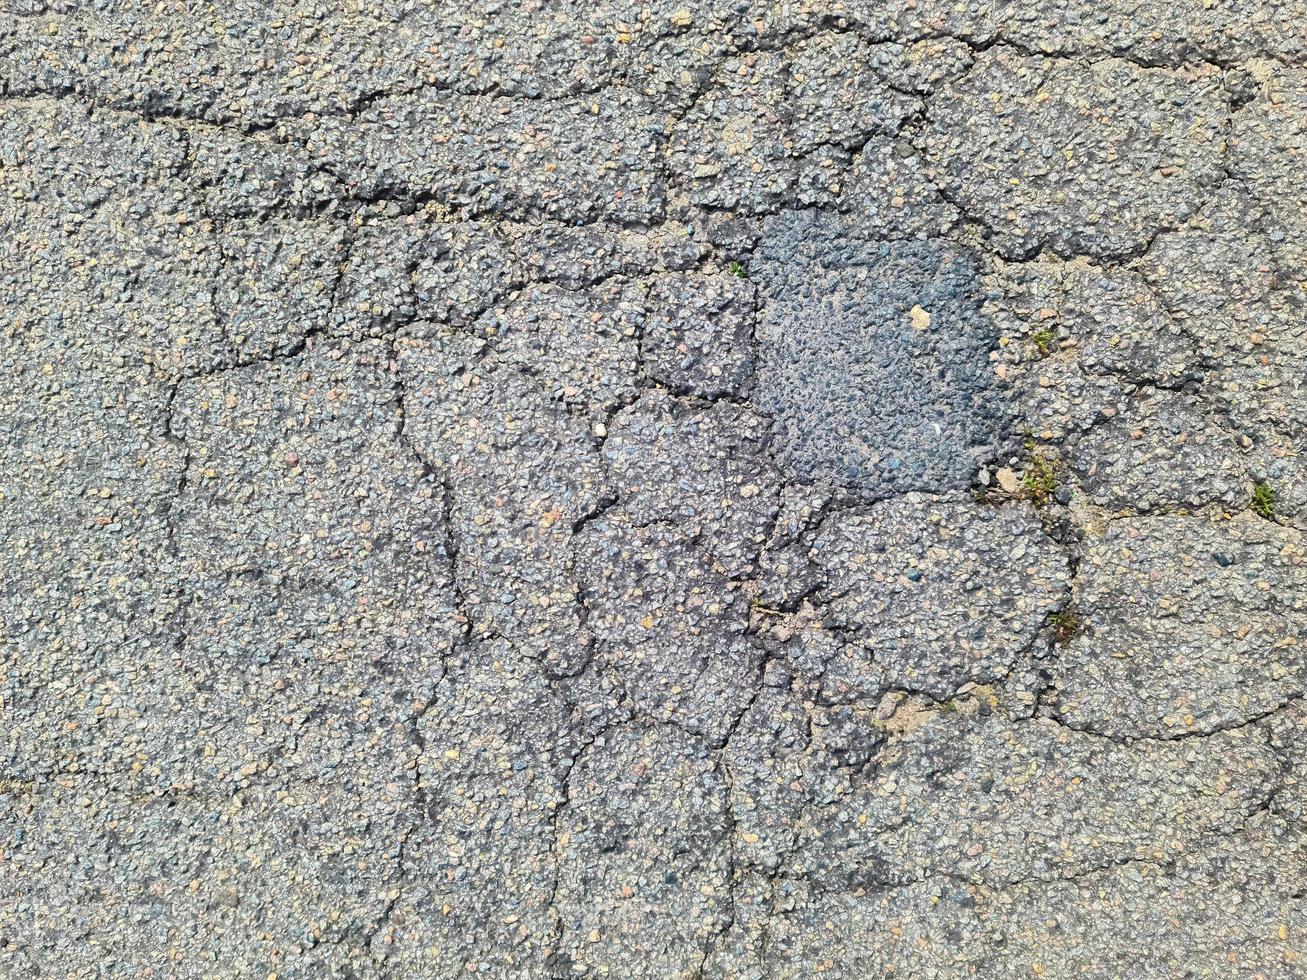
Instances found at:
x=736 y=269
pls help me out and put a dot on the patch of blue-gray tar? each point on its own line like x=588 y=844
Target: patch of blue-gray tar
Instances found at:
x=875 y=359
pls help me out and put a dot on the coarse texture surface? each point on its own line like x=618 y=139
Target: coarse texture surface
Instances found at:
x=742 y=490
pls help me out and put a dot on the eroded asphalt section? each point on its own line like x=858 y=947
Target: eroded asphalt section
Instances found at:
x=692 y=489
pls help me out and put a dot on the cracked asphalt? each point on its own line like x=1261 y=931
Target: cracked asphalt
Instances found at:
x=739 y=490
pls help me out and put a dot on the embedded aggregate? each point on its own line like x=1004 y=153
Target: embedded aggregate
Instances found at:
x=564 y=489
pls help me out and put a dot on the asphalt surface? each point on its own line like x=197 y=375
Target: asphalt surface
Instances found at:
x=725 y=490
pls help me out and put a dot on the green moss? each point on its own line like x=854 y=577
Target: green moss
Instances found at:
x=1044 y=341
x=1263 y=502
x=1066 y=624
x=1040 y=480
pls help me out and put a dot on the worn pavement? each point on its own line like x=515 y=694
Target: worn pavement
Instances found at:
x=594 y=489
